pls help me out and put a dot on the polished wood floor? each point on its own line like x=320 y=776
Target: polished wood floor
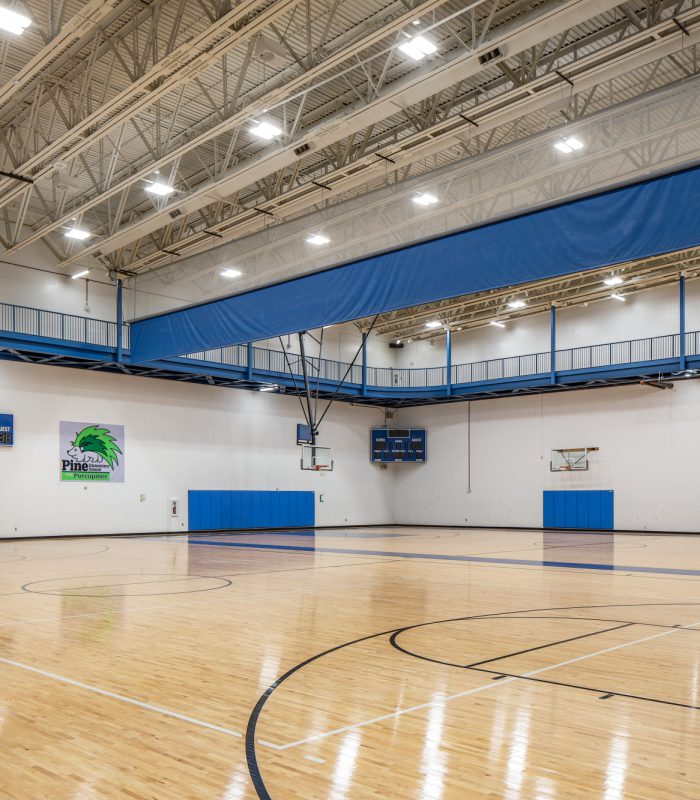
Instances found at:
x=376 y=663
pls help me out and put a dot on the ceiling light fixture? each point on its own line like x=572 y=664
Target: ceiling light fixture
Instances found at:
x=265 y=130
x=497 y=324
x=272 y=388
x=12 y=22
x=80 y=274
x=230 y=273
x=161 y=189
x=434 y=323
x=77 y=233
x=417 y=47
x=424 y=199
x=517 y=304
x=317 y=238
x=568 y=144
x=614 y=280
x=617 y=296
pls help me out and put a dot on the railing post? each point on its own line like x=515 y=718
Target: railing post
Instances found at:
x=681 y=303
x=249 y=359
x=448 y=347
x=553 y=345
x=364 y=366
x=120 y=323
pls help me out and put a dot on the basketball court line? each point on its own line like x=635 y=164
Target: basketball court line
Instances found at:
x=122 y=698
x=474 y=690
x=450 y=557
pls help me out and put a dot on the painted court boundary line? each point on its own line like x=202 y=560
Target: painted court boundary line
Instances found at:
x=122 y=698
x=447 y=557
x=475 y=690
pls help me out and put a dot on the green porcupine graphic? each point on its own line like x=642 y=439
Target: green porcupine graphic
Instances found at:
x=99 y=441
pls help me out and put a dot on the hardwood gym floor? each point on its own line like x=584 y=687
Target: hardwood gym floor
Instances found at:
x=389 y=663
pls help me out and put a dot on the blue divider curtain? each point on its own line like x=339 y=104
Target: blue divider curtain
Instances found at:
x=649 y=218
x=228 y=510
x=590 y=510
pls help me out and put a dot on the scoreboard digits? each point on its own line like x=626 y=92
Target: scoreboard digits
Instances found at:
x=397 y=445
x=7 y=430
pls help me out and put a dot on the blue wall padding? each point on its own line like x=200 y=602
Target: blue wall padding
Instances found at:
x=223 y=510
x=593 y=510
x=645 y=219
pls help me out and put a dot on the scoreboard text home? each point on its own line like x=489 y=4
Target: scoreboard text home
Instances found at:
x=392 y=445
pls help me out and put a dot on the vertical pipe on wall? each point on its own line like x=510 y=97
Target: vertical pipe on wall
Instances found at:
x=448 y=382
x=553 y=345
x=120 y=322
x=364 y=366
x=681 y=304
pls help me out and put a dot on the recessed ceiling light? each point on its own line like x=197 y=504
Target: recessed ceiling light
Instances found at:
x=317 y=238
x=424 y=199
x=77 y=233
x=12 y=22
x=161 y=189
x=497 y=324
x=80 y=274
x=272 y=388
x=568 y=145
x=614 y=280
x=417 y=47
x=265 y=130
x=517 y=304
x=434 y=323
x=617 y=296
x=230 y=273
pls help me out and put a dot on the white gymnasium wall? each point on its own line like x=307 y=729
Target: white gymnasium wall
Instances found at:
x=648 y=441
x=178 y=437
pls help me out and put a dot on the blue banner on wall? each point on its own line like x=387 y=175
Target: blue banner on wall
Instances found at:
x=7 y=430
x=645 y=219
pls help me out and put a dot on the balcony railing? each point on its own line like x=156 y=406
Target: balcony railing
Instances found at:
x=84 y=330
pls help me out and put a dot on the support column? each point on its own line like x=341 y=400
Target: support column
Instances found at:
x=364 y=366
x=681 y=304
x=448 y=346
x=553 y=345
x=249 y=370
x=120 y=322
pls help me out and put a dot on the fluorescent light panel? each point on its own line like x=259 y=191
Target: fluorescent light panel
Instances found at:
x=161 y=189
x=568 y=145
x=614 y=280
x=617 y=296
x=77 y=233
x=269 y=388
x=417 y=47
x=230 y=273
x=317 y=238
x=265 y=130
x=80 y=274
x=517 y=304
x=497 y=324
x=434 y=323
x=425 y=199
x=12 y=22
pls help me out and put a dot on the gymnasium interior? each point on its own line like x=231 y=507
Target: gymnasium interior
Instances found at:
x=349 y=399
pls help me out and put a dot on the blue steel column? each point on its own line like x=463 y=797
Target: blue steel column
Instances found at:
x=120 y=323
x=553 y=345
x=681 y=303
x=249 y=372
x=364 y=366
x=448 y=334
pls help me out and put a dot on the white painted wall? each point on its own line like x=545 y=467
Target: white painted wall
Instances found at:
x=178 y=437
x=648 y=442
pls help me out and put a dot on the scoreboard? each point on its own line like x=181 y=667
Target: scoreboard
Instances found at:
x=7 y=430
x=397 y=445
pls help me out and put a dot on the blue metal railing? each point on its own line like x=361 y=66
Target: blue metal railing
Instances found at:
x=84 y=330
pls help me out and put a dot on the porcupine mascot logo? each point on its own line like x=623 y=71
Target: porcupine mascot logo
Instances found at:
x=95 y=445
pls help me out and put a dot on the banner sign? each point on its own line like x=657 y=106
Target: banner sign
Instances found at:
x=7 y=430
x=91 y=452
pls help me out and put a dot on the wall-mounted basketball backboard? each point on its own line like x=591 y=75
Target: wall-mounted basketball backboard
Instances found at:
x=314 y=457
x=570 y=459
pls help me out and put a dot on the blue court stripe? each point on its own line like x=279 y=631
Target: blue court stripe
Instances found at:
x=445 y=557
